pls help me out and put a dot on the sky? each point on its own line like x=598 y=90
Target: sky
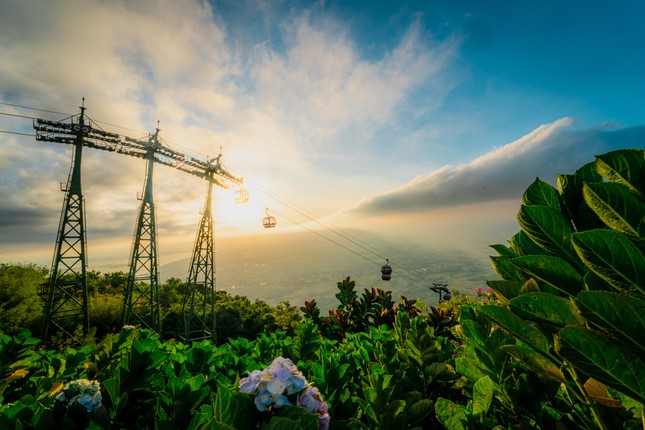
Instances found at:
x=420 y=122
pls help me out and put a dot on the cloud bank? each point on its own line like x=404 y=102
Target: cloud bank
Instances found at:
x=505 y=172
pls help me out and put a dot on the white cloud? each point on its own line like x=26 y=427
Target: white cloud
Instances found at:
x=505 y=172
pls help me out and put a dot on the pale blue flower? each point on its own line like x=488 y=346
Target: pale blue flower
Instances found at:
x=250 y=383
x=82 y=391
x=282 y=378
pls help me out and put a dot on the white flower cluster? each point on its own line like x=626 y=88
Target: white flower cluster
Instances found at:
x=128 y=327
x=82 y=391
x=282 y=378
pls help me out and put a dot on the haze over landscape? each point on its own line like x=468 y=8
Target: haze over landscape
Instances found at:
x=412 y=126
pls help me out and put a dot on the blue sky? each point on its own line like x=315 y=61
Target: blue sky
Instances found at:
x=420 y=120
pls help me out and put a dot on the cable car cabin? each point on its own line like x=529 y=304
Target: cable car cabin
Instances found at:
x=386 y=271
x=241 y=196
x=268 y=221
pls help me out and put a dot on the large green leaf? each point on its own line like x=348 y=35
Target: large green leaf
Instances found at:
x=451 y=415
x=482 y=395
x=470 y=368
x=614 y=258
x=535 y=361
x=624 y=166
x=617 y=314
x=233 y=408
x=600 y=358
x=546 y=308
x=505 y=269
x=516 y=326
x=570 y=188
x=523 y=245
x=541 y=193
x=552 y=271
x=616 y=206
x=506 y=289
x=549 y=229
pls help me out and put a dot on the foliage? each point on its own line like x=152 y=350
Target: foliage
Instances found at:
x=353 y=315
x=20 y=306
x=237 y=316
x=382 y=377
x=566 y=347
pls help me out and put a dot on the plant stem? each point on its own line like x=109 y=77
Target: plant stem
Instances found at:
x=590 y=403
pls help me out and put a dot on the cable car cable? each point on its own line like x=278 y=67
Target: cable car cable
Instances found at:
x=402 y=274
x=421 y=279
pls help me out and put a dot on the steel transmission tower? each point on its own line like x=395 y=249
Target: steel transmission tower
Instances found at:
x=65 y=295
x=198 y=310
x=141 y=304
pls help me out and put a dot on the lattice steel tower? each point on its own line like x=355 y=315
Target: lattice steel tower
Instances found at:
x=65 y=294
x=198 y=310
x=141 y=303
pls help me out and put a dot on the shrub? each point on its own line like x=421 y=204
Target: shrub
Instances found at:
x=566 y=347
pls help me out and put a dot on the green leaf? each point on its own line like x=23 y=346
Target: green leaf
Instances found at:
x=233 y=408
x=296 y=413
x=506 y=289
x=280 y=423
x=505 y=269
x=600 y=358
x=470 y=368
x=612 y=257
x=523 y=245
x=616 y=206
x=549 y=229
x=516 y=326
x=552 y=271
x=503 y=250
x=419 y=410
x=570 y=187
x=451 y=415
x=624 y=166
x=535 y=361
x=617 y=314
x=370 y=394
x=482 y=395
x=545 y=307
x=542 y=194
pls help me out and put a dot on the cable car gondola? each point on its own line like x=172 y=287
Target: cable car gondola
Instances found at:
x=268 y=221
x=241 y=195
x=386 y=271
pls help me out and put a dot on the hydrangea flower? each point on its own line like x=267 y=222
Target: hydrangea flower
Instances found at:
x=82 y=391
x=311 y=400
x=282 y=378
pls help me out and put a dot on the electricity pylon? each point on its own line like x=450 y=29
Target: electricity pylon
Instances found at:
x=198 y=310
x=141 y=303
x=66 y=294
x=66 y=304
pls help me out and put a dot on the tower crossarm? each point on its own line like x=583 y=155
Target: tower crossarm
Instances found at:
x=94 y=137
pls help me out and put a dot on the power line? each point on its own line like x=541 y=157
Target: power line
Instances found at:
x=16 y=115
x=36 y=109
x=16 y=132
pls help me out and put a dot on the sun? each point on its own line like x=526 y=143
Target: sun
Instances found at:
x=236 y=217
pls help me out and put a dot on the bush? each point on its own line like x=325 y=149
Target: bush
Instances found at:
x=566 y=348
